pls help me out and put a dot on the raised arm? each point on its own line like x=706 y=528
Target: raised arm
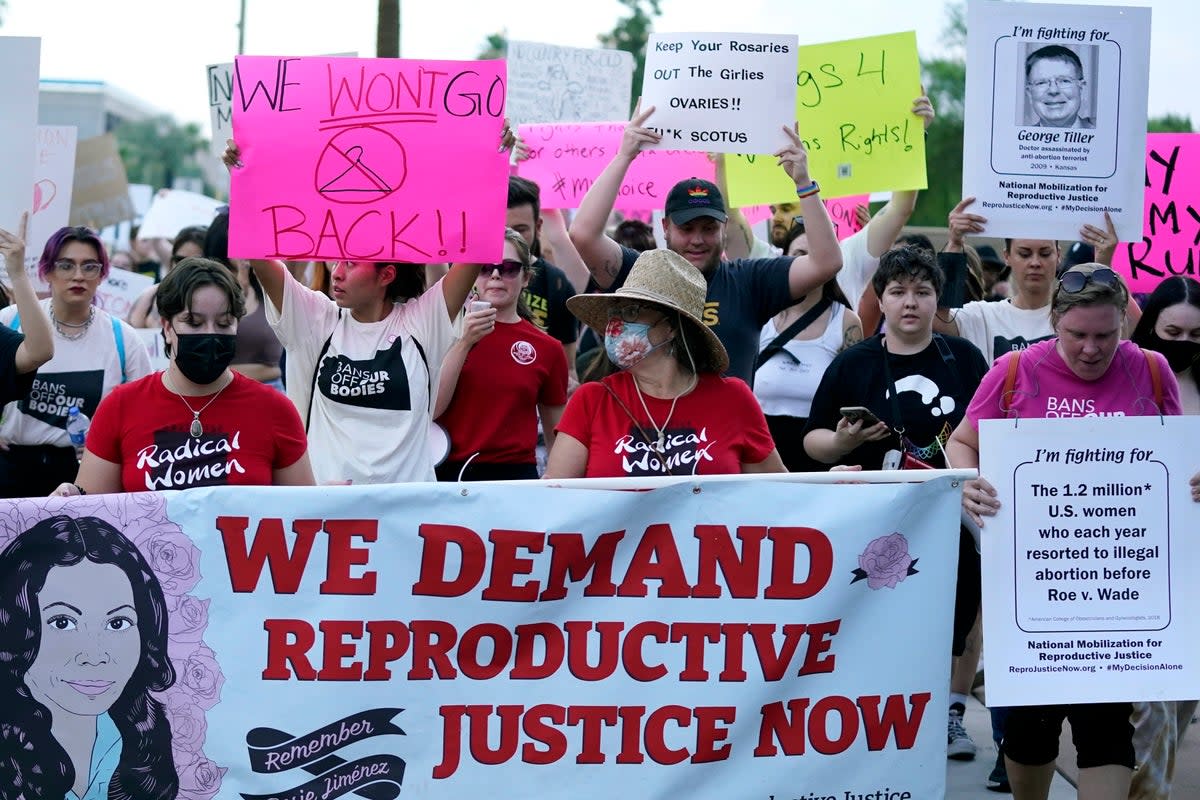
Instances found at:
x=476 y=325
x=566 y=257
x=38 y=347
x=824 y=257
x=739 y=236
x=600 y=253
x=960 y=223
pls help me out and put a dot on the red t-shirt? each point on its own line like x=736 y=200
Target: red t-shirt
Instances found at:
x=250 y=430
x=507 y=374
x=714 y=429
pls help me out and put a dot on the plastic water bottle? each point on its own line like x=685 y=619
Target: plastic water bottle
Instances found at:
x=77 y=427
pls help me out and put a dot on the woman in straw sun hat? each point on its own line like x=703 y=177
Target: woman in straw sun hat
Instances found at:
x=667 y=411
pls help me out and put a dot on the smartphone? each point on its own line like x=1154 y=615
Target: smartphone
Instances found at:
x=480 y=305
x=856 y=413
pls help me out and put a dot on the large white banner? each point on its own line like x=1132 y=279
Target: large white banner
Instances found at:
x=552 y=83
x=714 y=639
x=1087 y=569
x=20 y=65
x=1056 y=117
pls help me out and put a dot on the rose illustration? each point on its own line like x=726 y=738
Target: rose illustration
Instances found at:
x=199 y=779
x=885 y=562
x=188 y=725
x=201 y=674
x=188 y=618
x=173 y=558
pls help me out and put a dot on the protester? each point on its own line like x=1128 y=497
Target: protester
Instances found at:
x=1086 y=361
x=188 y=243
x=500 y=378
x=197 y=423
x=796 y=347
x=362 y=367
x=1170 y=325
x=93 y=353
x=667 y=411
x=21 y=355
x=743 y=294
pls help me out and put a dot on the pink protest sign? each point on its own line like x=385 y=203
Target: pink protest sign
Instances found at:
x=841 y=211
x=566 y=158
x=1170 y=239
x=368 y=159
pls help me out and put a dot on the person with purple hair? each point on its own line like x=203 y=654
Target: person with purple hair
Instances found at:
x=93 y=353
x=83 y=648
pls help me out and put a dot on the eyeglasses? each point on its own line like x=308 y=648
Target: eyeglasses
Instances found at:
x=89 y=268
x=1073 y=282
x=508 y=268
x=631 y=312
x=1043 y=85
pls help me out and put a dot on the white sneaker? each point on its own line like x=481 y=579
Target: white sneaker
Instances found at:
x=959 y=744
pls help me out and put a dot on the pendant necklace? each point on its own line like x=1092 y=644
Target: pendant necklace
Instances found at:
x=662 y=431
x=196 y=430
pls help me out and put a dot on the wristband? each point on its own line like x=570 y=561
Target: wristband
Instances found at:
x=79 y=489
x=807 y=191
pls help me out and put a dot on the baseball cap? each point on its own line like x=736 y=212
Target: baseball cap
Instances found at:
x=694 y=198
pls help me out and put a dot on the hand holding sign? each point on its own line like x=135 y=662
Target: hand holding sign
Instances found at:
x=1104 y=242
x=13 y=248
x=794 y=158
x=962 y=223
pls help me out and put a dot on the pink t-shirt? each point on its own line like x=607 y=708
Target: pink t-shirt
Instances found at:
x=1046 y=387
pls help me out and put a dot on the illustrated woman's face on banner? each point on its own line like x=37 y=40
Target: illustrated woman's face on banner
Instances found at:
x=89 y=645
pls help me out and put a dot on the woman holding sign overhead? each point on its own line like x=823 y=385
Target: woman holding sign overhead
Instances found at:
x=93 y=354
x=1087 y=366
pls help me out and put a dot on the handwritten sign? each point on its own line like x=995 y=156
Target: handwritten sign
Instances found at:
x=172 y=210
x=1055 y=116
x=549 y=83
x=101 y=191
x=19 y=60
x=1088 y=585
x=53 y=178
x=853 y=103
x=565 y=160
x=1171 y=226
x=719 y=92
x=843 y=211
x=368 y=159
x=120 y=290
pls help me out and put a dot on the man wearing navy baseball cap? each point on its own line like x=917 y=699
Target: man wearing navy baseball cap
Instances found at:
x=742 y=294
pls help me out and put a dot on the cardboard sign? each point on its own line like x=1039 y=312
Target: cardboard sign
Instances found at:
x=52 y=190
x=101 y=191
x=1055 y=116
x=430 y=641
x=853 y=103
x=172 y=210
x=1171 y=226
x=1088 y=567
x=368 y=160
x=19 y=64
x=565 y=159
x=720 y=92
x=550 y=83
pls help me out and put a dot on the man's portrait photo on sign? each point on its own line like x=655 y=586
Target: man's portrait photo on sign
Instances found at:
x=1057 y=87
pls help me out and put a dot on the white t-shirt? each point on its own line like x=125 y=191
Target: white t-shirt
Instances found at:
x=786 y=383
x=999 y=327
x=370 y=413
x=82 y=372
x=858 y=265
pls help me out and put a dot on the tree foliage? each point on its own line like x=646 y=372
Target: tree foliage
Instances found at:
x=495 y=46
x=1170 y=123
x=156 y=151
x=945 y=81
x=630 y=33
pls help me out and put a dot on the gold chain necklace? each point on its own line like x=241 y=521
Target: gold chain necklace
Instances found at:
x=196 y=430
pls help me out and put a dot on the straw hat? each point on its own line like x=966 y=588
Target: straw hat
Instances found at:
x=668 y=280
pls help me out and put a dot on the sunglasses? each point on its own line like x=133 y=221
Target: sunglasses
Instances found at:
x=1073 y=282
x=508 y=268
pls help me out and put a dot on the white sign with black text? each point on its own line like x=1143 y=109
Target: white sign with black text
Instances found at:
x=721 y=92
x=1086 y=582
x=1056 y=114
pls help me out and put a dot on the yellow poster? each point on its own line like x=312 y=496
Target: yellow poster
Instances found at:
x=854 y=105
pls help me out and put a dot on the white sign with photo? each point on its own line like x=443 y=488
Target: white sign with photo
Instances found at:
x=551 y=83
x=1087 y=584
x=1056 y=117
x=19 y=64
x=721 y=92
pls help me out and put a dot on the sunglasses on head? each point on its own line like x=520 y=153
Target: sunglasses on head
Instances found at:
x=1072 y=282
x=508 y=268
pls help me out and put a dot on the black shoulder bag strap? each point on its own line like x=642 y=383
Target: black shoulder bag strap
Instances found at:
x=312 y=389
x=951 y=366
x=806 y=319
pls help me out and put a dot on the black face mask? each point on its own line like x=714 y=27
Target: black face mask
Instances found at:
x=202 y=357
x=1180 y=353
